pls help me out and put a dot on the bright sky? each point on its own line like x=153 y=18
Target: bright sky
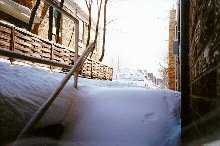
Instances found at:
x=138 y=35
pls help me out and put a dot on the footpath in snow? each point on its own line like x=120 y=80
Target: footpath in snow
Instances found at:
x=100 y=113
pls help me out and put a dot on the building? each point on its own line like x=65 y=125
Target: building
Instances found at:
x=172 y=57
x=49 y=23
x=200 y=72
x=174 y=54
x=54 y=40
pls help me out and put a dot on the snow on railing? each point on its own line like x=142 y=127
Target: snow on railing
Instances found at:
x=49 y=54
x=43 y=109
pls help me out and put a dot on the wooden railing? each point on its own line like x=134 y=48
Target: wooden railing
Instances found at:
x=40 y=50
x=43 y=109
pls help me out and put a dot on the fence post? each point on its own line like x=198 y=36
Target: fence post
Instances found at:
x=12 y=42
x=91 y=68
x=51 y=55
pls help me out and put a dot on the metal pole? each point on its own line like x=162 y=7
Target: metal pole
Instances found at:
x=184 y=42
x=43 y=109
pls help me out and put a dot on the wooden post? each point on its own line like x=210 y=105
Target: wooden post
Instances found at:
x=76 y=52
x=12 y=43
x=51 y=55
x=91 y=68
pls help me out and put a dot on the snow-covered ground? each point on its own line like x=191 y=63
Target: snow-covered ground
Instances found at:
x=100 y=113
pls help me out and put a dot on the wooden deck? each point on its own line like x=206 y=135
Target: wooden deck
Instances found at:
x=21 y=41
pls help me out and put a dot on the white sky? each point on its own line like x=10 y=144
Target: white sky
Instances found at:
x=138 y=35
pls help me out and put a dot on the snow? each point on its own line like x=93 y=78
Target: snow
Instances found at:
x=126 y=116
x=99 y=113
x=23 y=90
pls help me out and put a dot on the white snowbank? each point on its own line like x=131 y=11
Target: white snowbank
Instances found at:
x=23 y=90
x=126 y=117
x=100 y=113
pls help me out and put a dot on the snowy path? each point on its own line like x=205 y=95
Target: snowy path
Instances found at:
x=124 y=117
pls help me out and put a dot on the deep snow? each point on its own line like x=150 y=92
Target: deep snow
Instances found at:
x=126 y=116
x=100 y=113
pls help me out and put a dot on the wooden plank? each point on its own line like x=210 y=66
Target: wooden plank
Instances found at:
x=44 y=50
x=23 y=56
x=5 y=29
x=22 y=42
x=22 y=48
x=5 y=43
x=58 y=53
x=5 y=36
x=45 y=55
x=23 y=36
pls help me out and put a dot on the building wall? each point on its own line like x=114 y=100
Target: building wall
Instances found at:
x=172 y=25
x=204 y=62
x=67 y=31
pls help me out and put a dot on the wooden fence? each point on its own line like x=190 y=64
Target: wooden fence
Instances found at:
x=21 y=41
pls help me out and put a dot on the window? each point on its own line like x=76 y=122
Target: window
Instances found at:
x=54 y=25
x=55 y=19
x=81 y=31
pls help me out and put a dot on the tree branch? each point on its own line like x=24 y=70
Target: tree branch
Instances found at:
x=33 y=13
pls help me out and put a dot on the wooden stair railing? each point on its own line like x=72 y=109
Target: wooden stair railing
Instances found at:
x=43 y=109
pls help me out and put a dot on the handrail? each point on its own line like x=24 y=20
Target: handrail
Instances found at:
x=22 y=56
x=43 y=109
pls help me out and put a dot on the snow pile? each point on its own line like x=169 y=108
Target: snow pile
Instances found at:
x=126 y=117
x=100 y=113
x=22 y=91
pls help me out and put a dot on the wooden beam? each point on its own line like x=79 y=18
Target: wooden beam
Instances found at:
x=22 y=56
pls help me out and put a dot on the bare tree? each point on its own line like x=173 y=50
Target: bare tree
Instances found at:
x=97 y=25
x=164 y=71
x=104 y=31
x=100 y=5
x=98 y=20
x=89 y=7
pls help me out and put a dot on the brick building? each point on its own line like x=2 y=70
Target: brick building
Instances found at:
x=172 y=26
x=174 y=61
x=200 y=34
x=18 y=13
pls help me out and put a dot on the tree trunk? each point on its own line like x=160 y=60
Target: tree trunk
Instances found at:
x=97 y=26
x=58 y=22
x=104 y=31
x=89 y=25
x=33 y=13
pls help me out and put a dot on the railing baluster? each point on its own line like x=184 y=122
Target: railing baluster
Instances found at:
x=12 y=42
x=51 y=55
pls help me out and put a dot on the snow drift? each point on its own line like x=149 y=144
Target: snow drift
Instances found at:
x=126 y=117
x=22 y=91
x=99 y=113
